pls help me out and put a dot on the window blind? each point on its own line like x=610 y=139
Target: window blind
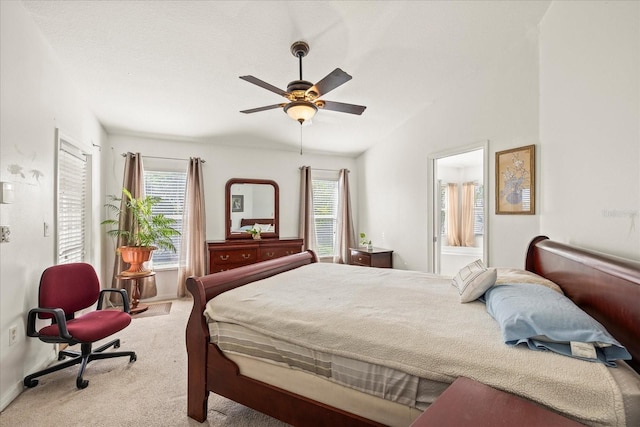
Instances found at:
x=478 y=209
x=72 y=199
x=170 y=187
x=325 y=212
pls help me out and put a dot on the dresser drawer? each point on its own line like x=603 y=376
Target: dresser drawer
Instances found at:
x=226 y=255
x=233 y=256
x=216 y=268
x=267 y=253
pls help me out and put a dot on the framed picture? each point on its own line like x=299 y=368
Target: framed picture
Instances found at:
x=237 y=203
x=515 y=181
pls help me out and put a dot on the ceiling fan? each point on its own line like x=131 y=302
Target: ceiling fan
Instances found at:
x=304 y=96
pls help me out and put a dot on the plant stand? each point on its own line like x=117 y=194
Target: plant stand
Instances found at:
x=134 y=301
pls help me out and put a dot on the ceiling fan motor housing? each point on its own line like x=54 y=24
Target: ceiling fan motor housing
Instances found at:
x=298 y=90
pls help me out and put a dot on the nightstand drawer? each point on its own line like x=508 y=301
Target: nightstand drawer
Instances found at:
x=360 y=258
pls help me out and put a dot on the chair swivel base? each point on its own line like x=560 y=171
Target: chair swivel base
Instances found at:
x=84 y=357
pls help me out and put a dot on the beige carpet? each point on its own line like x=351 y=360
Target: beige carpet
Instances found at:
x=148 y=392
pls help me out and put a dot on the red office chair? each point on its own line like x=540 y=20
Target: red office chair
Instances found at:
x=64 y=290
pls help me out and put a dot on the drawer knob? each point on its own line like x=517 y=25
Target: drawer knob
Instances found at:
x=224 y=257
x=270 y=254
x=246 y=256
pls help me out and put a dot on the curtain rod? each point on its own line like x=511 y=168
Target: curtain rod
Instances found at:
x=164 y=158
x=326 y=170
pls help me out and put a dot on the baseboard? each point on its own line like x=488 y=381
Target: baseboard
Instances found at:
x=15 y=390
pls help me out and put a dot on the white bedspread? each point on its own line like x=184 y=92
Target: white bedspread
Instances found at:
x=415 y=322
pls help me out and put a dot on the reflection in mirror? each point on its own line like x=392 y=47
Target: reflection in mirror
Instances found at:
x=249 y=203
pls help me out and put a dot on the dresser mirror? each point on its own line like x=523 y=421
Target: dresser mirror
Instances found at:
x=249 y=202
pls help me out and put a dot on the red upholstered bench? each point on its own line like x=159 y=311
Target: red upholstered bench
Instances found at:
x=469 y=403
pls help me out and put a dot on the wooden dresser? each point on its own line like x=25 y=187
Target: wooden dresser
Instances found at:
x=228 y=254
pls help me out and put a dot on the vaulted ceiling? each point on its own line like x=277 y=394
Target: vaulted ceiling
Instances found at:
x=171 y=68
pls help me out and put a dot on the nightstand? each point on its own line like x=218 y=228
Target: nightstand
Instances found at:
x=469 y=403
x=376 y=257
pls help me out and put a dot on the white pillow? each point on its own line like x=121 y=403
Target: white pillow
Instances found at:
x=473 y=281
x=263 y=227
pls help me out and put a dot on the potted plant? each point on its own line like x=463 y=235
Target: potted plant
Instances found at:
x=255 y=232
x=364 y=242
x=146 y=231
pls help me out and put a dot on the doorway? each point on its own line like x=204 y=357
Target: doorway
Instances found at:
x=458 y=208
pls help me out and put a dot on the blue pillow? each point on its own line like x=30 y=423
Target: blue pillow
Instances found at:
x=546 y=320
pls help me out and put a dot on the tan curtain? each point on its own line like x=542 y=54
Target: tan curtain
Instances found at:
x=467 y=236
x=134 y=182
x=307 y=228
x=453 y=230
x=193 y=247
x=345 y=235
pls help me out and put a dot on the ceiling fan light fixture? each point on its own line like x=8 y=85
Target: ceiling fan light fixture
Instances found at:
x=300 y=111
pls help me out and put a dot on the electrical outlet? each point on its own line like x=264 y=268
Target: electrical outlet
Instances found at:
x=4 y=233
x=13 y=334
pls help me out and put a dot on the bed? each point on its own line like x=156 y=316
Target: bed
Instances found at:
x=265 y=224
x=605 y=287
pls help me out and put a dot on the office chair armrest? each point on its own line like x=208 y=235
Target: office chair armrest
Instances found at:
x=58 y=315
x=122 y=292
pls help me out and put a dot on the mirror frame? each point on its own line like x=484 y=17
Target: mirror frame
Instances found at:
x=227 y=213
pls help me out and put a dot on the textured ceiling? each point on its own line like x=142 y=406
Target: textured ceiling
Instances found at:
x=171 y=68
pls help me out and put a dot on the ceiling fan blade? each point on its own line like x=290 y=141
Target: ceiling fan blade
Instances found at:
x=334 y=79
x=256 y=81
x=268 y=107
x=343 y=108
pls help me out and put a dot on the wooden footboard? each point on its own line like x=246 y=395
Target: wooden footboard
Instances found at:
x=210 y=371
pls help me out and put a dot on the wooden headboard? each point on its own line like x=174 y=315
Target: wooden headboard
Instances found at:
x=606 y=287
x=251 y=221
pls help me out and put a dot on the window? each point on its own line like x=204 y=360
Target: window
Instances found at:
x=170 y=187
x=478 y=208
x=325 y=212
x=73 y=193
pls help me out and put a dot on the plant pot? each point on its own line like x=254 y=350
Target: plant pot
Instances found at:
x=257 y=236
x=135 y=256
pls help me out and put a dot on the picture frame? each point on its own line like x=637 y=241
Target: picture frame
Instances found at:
x=515 y=181
x=237 y=203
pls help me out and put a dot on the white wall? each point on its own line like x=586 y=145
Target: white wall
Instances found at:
x=590 y=125
x=223 y=162
x=35 y=98
x=497 y=103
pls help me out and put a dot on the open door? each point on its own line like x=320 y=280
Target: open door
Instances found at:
x=458 y=208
